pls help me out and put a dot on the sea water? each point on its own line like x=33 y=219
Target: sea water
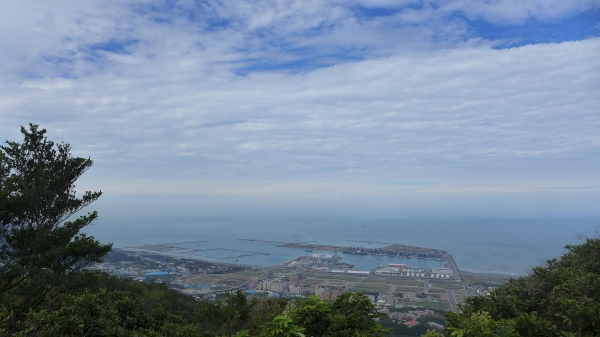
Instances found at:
x=480 y=245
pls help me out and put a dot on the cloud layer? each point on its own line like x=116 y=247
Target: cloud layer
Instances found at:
x=348 y=103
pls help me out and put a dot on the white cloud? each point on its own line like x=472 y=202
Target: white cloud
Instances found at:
x=516 y=11
x=476 y=103
x=172 y=116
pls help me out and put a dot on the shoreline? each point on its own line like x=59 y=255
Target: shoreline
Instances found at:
x=491 y=272
x=392 y=250
x=150 y=253
x=466 y=272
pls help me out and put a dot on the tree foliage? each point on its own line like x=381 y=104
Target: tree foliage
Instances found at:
x=107 y=313
x=235 y=313
x=39 y=246
x=350 y=314
x=559 y=299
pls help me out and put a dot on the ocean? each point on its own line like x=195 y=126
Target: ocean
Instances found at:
x=512 y=246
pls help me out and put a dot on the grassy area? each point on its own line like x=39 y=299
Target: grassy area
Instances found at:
x=432 y=305
x=332 y=284
x=451 y=286
x=376 y=281
x=396 y=282
x=414 y=289
x=406 y=283
x=370 y=288
x=251 y=273
x=338 y=278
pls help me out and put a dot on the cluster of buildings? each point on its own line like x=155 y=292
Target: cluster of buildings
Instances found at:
x=285 y=287
x=119 y=269
x=126 y=269
x=413 y=315
x=479 y=290
x=404 y=271
x=406 y=297
x=399 y=251
x=412 y=318
x=327 y=263
x=317 y=262
x=140 y=267
x=332 y=293
x=276 y=286
x=291 y=286
x=323 y=256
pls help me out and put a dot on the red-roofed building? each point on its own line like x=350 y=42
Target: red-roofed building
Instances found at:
x=410 y=324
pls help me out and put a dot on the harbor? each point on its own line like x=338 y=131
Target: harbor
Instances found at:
x=268 y=253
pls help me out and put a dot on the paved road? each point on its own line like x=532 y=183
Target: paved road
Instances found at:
x=426 y=286
x=451 y=299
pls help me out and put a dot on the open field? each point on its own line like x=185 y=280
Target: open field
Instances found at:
x=434 y=305
x=451 y=286
x=215 y=278
x=337 y=284
x=349 y=279
x=392 y=281
x=371 y=288
x=413 y=289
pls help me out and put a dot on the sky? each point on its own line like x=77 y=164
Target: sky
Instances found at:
x=363 y=108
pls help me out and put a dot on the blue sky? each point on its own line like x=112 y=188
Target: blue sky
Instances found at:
x=393 y=108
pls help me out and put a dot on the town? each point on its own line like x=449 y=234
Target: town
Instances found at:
x=404 y=293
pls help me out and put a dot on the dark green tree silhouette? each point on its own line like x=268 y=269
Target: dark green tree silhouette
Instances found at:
x=39 y=245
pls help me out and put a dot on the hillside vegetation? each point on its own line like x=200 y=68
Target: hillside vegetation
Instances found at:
x=561 y=298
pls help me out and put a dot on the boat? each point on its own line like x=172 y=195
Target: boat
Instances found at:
x=308 y=250
x=397 y=265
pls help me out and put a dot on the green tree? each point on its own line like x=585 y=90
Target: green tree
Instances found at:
x=350 y=314
x=228 y=316
x=559 y=299
x=105 y=313
x=39 y=245
x=283 y=325
x=237 y=313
